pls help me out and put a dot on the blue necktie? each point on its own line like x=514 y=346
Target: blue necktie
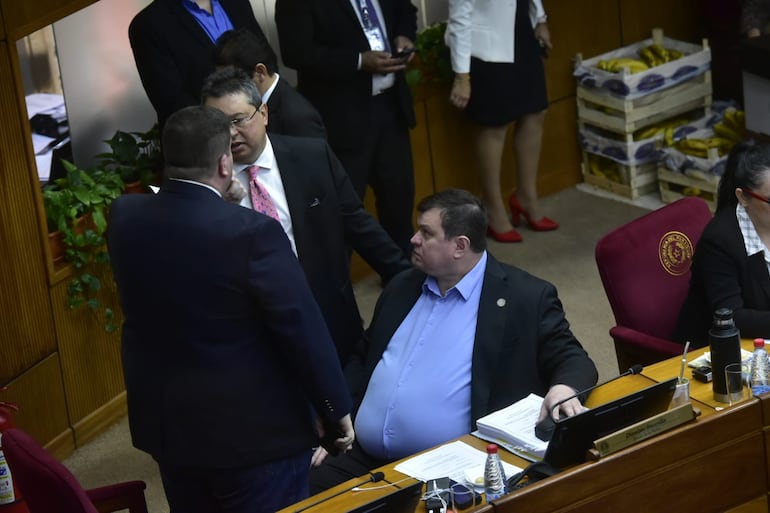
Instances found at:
x=371 y=20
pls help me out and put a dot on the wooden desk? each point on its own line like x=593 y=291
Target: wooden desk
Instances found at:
x=701 y=392
x=683 y=469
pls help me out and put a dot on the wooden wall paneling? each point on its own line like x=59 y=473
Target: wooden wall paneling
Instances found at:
x=2 y=25
x=560 y=156
x=682 y=19
x=25 y=17
x=26 y=332
x=39 y=393
x=421 y=153
x=589 y=27
x=90 y=357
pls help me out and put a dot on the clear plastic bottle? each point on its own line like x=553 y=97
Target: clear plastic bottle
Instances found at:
x=759 y=378
x=494 y=476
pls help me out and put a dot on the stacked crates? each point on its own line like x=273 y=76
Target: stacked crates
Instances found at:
x=618 y=110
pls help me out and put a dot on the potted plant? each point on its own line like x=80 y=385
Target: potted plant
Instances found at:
x=76 y=206
x=134 y=156
x=432 y=65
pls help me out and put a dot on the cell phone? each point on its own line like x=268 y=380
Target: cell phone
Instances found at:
x=702 y=374
x=403 y=53
x=327 y=442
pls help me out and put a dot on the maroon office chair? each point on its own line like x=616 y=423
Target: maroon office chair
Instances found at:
x=48 y=486
x=645 y=269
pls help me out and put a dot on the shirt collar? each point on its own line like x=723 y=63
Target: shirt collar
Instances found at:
x=751 y=239
x=266 y=96
x=465 y=286
x=198 y=183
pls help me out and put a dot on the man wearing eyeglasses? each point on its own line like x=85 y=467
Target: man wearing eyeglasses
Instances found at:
x=311 y=196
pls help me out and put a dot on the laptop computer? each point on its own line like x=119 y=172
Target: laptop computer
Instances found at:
x=400 y=500
x=573 y=436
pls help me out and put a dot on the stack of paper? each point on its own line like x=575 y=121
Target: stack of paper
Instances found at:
x=515 y=426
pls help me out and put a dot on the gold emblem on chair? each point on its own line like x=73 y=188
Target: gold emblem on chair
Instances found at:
x=675 y=251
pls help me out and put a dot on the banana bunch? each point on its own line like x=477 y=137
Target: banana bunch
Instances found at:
x=655 y=55
x=732 y=126
x=604 y=168
x=700 y=147
x=666 y=127
x=617 y=65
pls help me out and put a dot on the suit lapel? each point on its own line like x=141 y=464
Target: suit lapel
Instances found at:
x=274 y=107
x=292 y=186
x=494 y=309
x=758 y=268
x=348 y=8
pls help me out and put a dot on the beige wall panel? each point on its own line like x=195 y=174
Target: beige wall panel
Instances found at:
x=39 y=393
x=680 y=19
x=26 y=324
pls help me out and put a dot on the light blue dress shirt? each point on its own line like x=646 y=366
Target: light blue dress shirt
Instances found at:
x=214 y=24
x=419 y=394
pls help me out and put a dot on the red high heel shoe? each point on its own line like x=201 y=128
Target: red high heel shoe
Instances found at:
x=543 y=225
x=509 y=236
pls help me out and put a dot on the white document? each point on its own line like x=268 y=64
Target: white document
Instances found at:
x=515 y=425
x=449 y=460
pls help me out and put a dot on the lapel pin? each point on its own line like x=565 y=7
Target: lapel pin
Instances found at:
x=501 y=302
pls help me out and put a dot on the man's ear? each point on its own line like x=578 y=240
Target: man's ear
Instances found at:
x=462 y=244
x=224 y=166
x=263 y=111
x=260 y=72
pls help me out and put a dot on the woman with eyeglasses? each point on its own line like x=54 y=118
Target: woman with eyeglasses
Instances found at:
x=731 y=264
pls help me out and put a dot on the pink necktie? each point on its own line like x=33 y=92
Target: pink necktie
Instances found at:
x=260 y=198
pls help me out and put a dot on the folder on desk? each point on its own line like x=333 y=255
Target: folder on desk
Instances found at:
x=573 y=436
x=400 y=500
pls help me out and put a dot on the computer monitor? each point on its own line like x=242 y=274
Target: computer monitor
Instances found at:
x=400 y=500
x=573 y=436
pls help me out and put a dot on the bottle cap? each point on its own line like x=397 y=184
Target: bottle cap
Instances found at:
x=492 y=449
x=759 y=342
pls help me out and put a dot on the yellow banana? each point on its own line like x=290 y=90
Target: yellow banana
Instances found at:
x=648 y=57
x=674 y=54
x=648 y=132
x=722 y=130
x=669 y=136
x=691 y=191
x=659 y=52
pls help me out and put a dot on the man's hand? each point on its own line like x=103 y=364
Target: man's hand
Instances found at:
x=461 y=90
x=402 y=43
x=235 y=191
x=559 y=393
x=343 y=443
x=381 y=63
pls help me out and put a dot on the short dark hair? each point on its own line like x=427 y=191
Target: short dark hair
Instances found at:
x=746 y=164
x=228 y=81
x=244 y=50
x=194 y=138
x=461 y=213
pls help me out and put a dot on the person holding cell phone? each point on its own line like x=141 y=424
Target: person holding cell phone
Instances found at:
x=499 y=80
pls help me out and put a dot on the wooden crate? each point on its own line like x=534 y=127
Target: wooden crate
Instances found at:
x=635 y=181
x=674 y=186
x=626 y=116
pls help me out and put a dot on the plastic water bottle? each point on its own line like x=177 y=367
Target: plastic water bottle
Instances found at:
x=494 y=476
x=759 y=378
x=725 y=344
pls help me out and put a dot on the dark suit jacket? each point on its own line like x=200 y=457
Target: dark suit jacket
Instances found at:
x=724 y=276
x=224 y=349
x=328 y=217
x=174 y=55
x=289 y=113
x=521 y=347
x=322 y=39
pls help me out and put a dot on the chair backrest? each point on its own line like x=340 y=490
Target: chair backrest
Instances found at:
x=43 y=481
x=645 y=265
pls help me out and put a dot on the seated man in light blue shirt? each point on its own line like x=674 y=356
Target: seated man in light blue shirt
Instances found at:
x=456 y=338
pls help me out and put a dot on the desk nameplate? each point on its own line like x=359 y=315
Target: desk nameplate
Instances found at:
x=642 y=430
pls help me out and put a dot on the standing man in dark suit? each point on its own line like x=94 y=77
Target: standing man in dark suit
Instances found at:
x=344 y=54
x=313 y=200
x=289 y=112
x=173 y=43
x=224 y=349
x=459 y=336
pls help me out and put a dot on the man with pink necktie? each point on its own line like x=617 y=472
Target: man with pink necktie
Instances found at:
x=313 y=199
